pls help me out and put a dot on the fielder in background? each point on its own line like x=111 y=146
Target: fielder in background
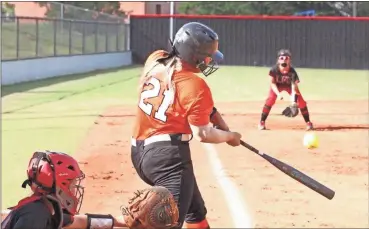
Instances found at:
x=285 y=78
x=175 y=105
x=55 y=180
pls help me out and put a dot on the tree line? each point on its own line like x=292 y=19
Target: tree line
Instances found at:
x=342 y=8
x=275 y=8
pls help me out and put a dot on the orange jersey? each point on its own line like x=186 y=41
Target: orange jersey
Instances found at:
x=160 y=112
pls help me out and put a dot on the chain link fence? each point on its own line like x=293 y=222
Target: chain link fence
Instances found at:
x=65 y=11
x=65 y=30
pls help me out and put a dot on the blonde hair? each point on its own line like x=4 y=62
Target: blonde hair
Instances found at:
x=167 y=67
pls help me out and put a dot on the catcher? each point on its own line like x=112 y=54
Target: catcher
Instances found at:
x=284 y=78
x=55 y=180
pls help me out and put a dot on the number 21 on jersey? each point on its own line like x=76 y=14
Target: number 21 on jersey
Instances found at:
x=152 y=93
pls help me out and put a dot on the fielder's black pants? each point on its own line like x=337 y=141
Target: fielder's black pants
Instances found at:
x=169 y=164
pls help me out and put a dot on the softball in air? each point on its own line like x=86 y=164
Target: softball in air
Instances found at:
x=311 y=140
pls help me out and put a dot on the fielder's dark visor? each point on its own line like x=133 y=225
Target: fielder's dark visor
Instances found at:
x=218 y=56
x=211 y=64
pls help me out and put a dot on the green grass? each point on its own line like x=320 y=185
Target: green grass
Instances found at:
x=56 y=113
x=52 y=114
x=105 y=42
x=251 y=83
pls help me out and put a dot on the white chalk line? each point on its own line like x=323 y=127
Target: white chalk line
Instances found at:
x=240 y=214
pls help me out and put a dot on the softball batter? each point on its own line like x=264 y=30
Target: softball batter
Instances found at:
x=174 y=105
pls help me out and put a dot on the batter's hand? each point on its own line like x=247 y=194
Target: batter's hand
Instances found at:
x=279 y=97
x=236 y=141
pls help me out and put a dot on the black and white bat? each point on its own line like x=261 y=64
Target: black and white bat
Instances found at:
x=294 y=173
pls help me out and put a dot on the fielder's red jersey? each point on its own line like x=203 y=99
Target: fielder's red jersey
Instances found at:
x=192 y=102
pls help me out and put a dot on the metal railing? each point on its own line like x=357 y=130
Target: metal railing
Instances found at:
x=29 y=37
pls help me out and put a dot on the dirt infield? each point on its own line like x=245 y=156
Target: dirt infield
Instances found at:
x=273 y=199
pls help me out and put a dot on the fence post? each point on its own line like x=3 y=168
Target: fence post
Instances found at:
x=127 y=37
x=17 y=45
x=117 y=37
x=61 y=11
x=54 y=37
x=37 y=36
x=70 y=37
x=96 y=36
x=106 y=38
x=83 y=38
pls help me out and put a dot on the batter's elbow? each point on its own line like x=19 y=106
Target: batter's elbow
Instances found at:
x=200 y=133
x=200 y=136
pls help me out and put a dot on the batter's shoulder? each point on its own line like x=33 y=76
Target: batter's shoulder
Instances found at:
x=190 y=83
x=198 y=82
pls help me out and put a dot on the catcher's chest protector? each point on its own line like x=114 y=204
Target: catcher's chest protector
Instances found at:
x=7 y=221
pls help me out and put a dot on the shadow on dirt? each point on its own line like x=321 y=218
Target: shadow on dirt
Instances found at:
x=348 y=127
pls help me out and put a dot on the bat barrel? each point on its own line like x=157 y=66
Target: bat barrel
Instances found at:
x=294 y=173
x=301 y=177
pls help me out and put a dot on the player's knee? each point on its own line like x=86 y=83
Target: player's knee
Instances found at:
x=203 y=224
x=197 y=219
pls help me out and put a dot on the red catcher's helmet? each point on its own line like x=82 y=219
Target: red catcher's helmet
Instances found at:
x=57 y=174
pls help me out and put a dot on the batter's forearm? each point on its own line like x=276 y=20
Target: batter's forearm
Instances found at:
x=218 y=121
x=216 y=136
x=208 y=134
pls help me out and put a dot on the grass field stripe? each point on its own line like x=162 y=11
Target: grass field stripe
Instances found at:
x=237 y=206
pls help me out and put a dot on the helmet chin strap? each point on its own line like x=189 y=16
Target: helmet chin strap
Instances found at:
x=25 y=183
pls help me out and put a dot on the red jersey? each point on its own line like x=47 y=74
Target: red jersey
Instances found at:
x=164 y=111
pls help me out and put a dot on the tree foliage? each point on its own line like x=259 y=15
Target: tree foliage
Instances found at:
x=108 y=8
x=273 y=8
x=7 y=8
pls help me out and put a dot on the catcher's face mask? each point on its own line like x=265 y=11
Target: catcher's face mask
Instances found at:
x=284 y=61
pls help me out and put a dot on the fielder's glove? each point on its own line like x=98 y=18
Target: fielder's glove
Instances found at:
x=152 y=208
x=291 y=111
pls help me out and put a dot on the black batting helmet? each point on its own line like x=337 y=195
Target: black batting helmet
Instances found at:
x=284 y=52
x=197 y=45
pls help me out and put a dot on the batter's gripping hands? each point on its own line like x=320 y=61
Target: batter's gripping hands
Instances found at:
x=152 y=208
